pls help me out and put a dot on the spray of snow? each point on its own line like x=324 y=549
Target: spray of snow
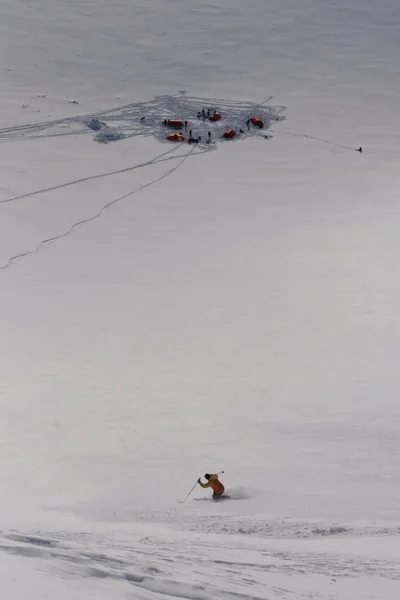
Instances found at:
x=239 y=493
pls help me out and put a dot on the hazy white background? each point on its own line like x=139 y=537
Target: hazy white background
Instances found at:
x=241 y=314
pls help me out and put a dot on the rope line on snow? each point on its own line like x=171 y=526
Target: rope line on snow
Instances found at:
x=54 y=238
x=313 y=137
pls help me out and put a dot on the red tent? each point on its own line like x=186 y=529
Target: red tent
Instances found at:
x=256 y=121
x=229 y=134
x=174 y=123
x=215 y=117
x=176 y=137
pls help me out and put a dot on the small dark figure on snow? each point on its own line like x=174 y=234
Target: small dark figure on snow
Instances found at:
x=199 y=115
x=208 y=112
x=209 y=135
x=359 y=149
x=142 y=119
x=165 y=122
x=203 y=113
x=190 y=133
x=186 y=124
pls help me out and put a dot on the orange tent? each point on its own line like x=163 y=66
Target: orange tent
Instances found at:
x=176 y=137
x=215 y=117
x=256 y=121
x=229 y=134
x=174 y=123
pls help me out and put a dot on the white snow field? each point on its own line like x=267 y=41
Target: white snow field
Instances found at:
x=169 y=310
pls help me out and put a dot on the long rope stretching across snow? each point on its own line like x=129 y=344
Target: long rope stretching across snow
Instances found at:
x=313 y=137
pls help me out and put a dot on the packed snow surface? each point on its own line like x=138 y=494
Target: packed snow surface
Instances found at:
x=169 y=310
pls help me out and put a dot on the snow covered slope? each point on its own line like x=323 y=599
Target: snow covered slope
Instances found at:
x=234 y=307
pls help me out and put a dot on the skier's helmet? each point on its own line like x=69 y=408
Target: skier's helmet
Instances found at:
x=207 y=476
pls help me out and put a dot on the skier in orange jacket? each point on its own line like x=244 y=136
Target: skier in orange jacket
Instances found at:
x=214 y=483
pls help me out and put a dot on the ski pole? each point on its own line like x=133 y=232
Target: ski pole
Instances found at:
x=189 y=493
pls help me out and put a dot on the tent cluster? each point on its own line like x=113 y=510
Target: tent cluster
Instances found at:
x=210 y=115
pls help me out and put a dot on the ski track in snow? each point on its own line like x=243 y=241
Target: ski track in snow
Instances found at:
x=247 y=526
x=126 y=122
x=160 y=158
x=259 y=334
x=128 y=119
x=151 y=564
x=123 y=122
x=95 y=216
